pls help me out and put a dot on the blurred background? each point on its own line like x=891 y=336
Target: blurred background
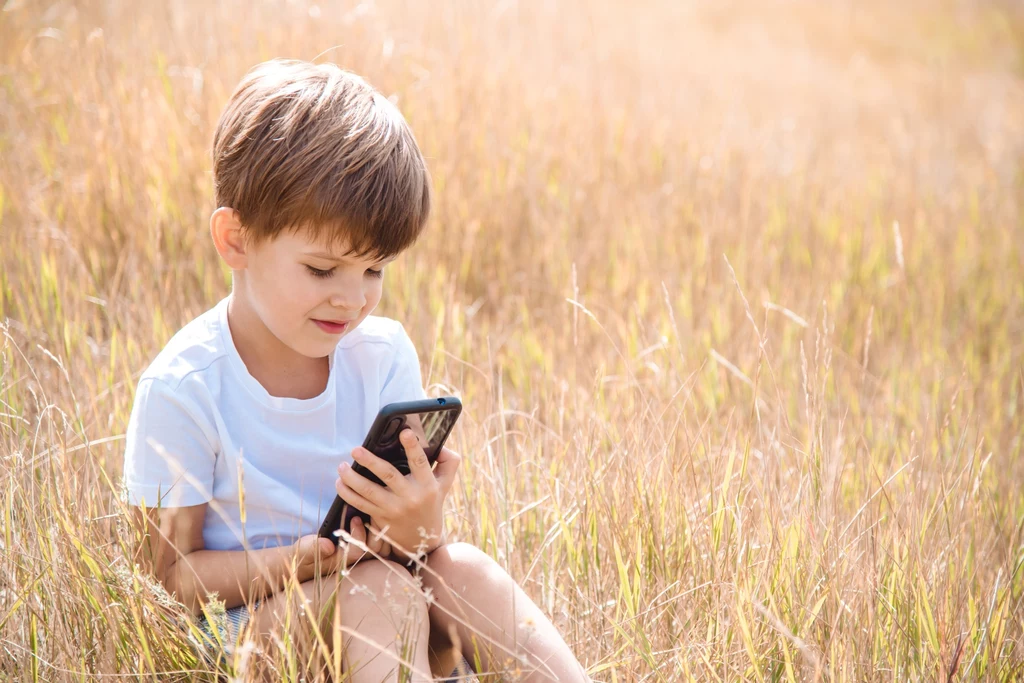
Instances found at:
x=733 y=293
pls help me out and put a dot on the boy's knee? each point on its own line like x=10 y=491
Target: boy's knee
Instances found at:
x=382 y=583
x=462 y=564
x=460 y=554
x=369 y=568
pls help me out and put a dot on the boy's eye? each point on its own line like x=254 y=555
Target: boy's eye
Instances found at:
x=374 y=273
x=316 y=272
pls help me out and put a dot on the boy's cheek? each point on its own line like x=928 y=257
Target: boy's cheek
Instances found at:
x=373 y=298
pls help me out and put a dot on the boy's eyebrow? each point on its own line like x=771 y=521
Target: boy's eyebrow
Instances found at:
x=333 y=257
x=324 y=255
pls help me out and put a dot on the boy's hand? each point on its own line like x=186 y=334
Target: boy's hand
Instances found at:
x=320 y=557
x=410 y=508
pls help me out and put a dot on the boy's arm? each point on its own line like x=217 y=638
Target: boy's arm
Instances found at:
x=173 y=547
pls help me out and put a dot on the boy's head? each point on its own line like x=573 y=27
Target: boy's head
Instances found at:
x=319 y=182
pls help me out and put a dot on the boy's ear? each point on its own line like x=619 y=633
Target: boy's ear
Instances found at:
x=226 y=230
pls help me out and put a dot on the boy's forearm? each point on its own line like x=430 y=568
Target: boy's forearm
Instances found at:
x=235 y=575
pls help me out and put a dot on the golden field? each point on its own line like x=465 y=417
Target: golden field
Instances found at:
x=733 y=293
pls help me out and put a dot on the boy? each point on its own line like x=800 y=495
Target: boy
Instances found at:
x=241 y=421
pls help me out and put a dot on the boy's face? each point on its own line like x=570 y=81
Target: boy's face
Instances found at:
x=308 y=295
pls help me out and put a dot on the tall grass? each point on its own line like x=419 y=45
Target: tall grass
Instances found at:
x=733 y=294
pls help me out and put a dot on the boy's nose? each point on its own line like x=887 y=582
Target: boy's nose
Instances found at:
x=348 y=301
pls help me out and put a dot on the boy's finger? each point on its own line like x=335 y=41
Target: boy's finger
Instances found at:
x=334 y=562
x=376 y=535
x=378 y=546
x=325 y=547
x=447 y=467
x=382 y=534
x=357 y=530
x=355 y=499
x=367 y=496
x=372 y=539
x=348 y=556
x=355 y=543
x=355 y=538
x=419 y=465
x=387 y=473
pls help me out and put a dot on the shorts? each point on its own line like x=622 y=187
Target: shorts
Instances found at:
x=218 y=641
x=233 y=623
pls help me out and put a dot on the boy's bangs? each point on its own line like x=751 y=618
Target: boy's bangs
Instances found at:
x=315 y=148
x=378 y=218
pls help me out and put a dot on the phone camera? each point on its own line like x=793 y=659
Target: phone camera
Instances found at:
x=390 y=433
x=440 y=401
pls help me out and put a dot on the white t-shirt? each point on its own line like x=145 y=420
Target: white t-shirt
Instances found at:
x=203 y=430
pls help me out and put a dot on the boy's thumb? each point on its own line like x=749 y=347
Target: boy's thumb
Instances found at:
x=325 y=547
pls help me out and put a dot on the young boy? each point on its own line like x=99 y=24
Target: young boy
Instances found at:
x=242 y=422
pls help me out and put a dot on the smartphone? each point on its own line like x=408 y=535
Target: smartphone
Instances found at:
x=431 y=419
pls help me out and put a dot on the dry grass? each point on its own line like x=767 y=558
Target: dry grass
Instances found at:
x=733 y=293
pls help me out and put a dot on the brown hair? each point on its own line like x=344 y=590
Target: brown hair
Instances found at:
x=314 y=147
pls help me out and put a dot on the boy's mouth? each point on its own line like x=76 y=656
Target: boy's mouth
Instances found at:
x=331 y=327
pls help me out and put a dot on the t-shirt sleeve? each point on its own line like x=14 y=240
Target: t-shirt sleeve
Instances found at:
x=403 y=381
x=169 y=457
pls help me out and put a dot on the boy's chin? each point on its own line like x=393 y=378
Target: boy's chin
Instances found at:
x=319 y=349
x=311 y=347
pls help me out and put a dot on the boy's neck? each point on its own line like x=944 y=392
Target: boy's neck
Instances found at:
x=283 y=372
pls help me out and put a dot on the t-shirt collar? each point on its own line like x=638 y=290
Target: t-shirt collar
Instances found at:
x=252 y=385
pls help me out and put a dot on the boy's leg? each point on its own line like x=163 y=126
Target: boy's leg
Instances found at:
x=444 y=656
x=377 y=600
x=491 y=610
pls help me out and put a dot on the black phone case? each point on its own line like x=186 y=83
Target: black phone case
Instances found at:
x=340 y=514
